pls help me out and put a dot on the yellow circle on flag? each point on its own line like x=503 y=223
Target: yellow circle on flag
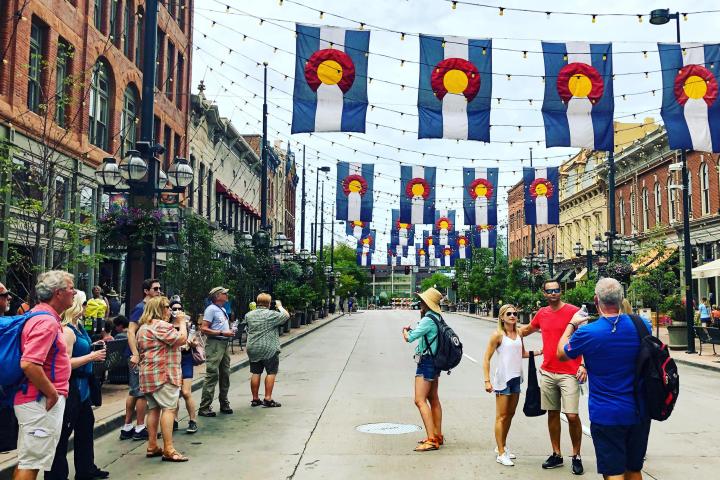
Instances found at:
x=329 y=72
x=405 y=225
x=455 y=81
x=355 y=186
x=444 y=225
x=579 y=85
x=541 y=190
x=418 y=190
x=481 y=190
x=695 y=87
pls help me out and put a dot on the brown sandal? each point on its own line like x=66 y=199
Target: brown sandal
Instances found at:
x=174 y=456
x=427 y=446
x=440 y=440
x=157 y=452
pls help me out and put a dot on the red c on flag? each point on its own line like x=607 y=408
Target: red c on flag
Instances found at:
x=332 y=67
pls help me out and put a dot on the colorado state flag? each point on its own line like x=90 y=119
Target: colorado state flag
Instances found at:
x=444 y=226
x=330 y=92
x=690 y=108
x=364 y=259
x=417 y=194
x=578 y=105
x=357 y=229
x=462 y=246
x=401 y=233
x=431 y=246
x=485 y=236
x=421 y=256
x=542 y=206
x=395 y=254
x=455 y=88
x=367 y=242
x=447 y=256
x=480 y=195
x=354 y=191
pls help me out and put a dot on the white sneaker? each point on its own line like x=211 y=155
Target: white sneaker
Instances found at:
x=508 y=452
x=504 y=459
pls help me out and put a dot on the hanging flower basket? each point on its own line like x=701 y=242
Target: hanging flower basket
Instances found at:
x=133 y=227
x=619 y=271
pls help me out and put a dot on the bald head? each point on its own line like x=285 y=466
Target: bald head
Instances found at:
x=4 y=299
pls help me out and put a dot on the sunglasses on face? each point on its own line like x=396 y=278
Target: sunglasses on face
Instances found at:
x=157 y=289
x=511 y=314
x=552 y=290
x=177 y=309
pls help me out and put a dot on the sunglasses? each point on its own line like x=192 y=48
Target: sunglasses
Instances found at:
x=552 y=290
x=157 y=289
x=177 y=309
x=511 y=314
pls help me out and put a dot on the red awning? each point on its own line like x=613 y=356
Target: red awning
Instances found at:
x=220 y=187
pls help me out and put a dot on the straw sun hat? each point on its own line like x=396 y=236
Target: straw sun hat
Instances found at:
x=431 y=298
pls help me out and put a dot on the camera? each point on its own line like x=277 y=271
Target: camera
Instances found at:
x=98 y=346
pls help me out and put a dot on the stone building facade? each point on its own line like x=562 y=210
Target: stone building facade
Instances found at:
x=519 y=238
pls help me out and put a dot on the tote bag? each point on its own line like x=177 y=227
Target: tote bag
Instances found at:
x=531 y=408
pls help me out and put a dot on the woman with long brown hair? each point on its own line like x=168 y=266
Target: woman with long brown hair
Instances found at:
x=507 y=377
x=159 y=343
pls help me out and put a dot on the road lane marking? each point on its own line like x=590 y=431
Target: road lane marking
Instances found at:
x=469 y=358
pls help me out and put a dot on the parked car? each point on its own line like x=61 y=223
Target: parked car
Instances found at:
x=415 y=305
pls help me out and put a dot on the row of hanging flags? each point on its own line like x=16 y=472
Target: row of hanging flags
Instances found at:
x=455 y=89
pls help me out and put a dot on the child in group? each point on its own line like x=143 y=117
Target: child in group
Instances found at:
x=507 y=377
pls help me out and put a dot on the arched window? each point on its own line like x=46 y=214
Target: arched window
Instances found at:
x=621 y=215
x=704 y=188
x=658 y=204
x=672 y=202
x=128 y=121
x=633 y=219
x=645 y=209
x=99 y=111
x=690 y=192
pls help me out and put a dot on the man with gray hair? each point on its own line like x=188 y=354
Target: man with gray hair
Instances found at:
x=610 y=346
x=216 y=326
x=5 y=298
x=39 y=408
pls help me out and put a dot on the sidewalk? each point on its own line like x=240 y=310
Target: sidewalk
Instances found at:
x=111 y=415
x=707 y=360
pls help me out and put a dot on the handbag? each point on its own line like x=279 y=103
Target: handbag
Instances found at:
x=531 y=407
x=8 y=429
x=198 y=351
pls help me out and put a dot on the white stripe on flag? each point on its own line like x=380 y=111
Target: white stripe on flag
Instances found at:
x=579 y=109
x=696 y=110
x=454 y=106
x=541 y=203
x=481 y=204
x=354 y=206
x=485 y=239
x=329 y=108
x=418 y=204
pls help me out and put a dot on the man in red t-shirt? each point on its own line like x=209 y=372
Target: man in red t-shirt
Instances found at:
x=46 y=364
x=559 y=380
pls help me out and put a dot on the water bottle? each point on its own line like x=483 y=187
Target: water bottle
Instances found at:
x=584 y=311
x=234 y=326
x=191 y=332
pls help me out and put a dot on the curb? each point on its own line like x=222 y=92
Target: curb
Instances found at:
x=116 y=420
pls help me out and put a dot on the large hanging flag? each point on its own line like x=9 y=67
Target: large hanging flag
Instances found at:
x=447 y=256
x=421 y=256
x=417 y=194
x=462 y=246
x=578 y=105
x=357 y=228
x=401 y=233
x=480 y=195
x=542 y=206
x=395 y=254
x=485 y=236
x=690 y=108
x=455 y=88
x=367 y=242
x=444 y=225
x=354 y=191
x=330 y=80
x=364 y=259
x=430 y=244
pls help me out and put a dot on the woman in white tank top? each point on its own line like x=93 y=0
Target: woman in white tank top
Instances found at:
x=507 y=377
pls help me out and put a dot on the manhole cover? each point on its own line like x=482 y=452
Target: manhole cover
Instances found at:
x=388 y=428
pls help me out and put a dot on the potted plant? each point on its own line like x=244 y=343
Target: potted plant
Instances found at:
x=677 y=329
x=122 y=227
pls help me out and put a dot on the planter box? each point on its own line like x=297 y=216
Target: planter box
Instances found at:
x=295 y=319
x=287 y=325
x=524 y=318
x=473 y=308
x=678 y=336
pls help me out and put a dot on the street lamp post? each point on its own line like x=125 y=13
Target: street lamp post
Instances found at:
x=264 y=156
x=313 y=244
x=302 y=207
x=662 y=16
x=321 y=254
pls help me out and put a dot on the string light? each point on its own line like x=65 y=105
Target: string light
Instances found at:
x=443 y=44
x=322 y=14
x=501 y=11
x=640 y=18
x=645 y=53
x=402 y=36
x=685 y=17
x=548 y=15
x=524 y=53
x=454 y=5
x=594 y=18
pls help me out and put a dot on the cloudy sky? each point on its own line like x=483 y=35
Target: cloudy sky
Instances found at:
x=233 y=36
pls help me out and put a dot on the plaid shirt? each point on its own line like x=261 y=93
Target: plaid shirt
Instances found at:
x=159 y=356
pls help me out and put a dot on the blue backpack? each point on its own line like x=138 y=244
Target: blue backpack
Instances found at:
x=12 y=377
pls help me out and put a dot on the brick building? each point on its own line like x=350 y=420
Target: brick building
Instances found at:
x=519 y=241
x=70 y=95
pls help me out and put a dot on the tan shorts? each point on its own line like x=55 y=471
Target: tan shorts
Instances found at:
x=164 y=397
x=555 y=387
x=39 y=433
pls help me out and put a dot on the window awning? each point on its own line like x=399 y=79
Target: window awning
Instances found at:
x=653 y=258
x=708 y=270
x=581 y=276
x=566 y=275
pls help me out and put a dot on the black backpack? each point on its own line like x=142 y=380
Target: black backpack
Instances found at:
x=657 y=381
x=449 y=349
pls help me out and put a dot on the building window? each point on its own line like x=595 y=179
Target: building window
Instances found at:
x=201 y=183
x=633 y=218
x=38 y=32
x=705 y=188
x=129 y=119
x=179 y=82
x=99 y=105
x=113 y=31
x=645 y=209
x=672 y=202
x=170 y=70
x=159 y=52
x=177 y=147
x=87 y=204
x=127 y=27
x=62 y=88
x=621 y=212
x=690 y=192
x=181 y=15
x=191 y=187
x=98 y=14
x=139 y=40
x=167 y=141
x=61 y=197
x=208 y=196
x=658 y=204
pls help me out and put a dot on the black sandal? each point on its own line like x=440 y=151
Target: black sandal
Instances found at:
x=256 y=403
x=271 y=404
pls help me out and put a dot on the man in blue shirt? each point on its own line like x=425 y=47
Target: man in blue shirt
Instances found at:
x=610 y=347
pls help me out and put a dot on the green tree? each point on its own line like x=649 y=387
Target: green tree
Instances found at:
x=656 y=283
x=194 y=271
x=354 y=280
x=437 y=280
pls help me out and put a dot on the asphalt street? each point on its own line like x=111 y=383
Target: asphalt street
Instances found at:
x=357 y=370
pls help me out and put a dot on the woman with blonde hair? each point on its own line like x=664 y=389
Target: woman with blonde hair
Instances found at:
x=159 y=343
x=78 y=415
x=507 y=377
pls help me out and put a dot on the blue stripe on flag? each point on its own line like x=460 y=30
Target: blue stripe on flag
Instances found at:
x=469 y=202
x=479 y=108
x=429 y=106
x=602 y=111
x=355 y=101
x=557 y=130
x=341 y=200
x=304 y=99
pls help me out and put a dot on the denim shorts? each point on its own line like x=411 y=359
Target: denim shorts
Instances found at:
x=134 y=381
x=513 y=386
x=620 y=448
x=426 y=368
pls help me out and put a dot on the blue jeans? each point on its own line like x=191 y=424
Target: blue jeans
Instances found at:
x=426 y=368
x=513 y=386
